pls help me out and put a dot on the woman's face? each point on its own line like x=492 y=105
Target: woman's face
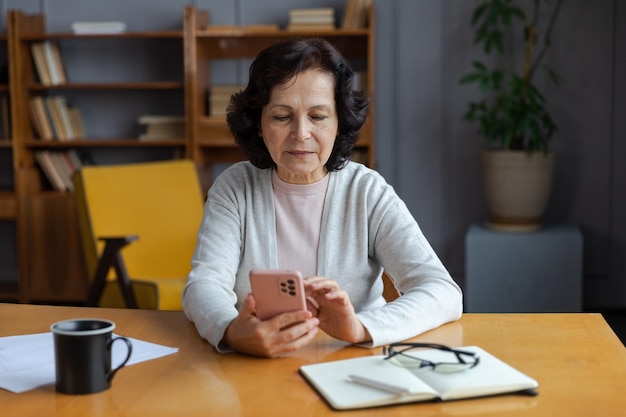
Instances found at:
x=299 y=126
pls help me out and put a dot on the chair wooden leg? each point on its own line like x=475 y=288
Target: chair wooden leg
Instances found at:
x=112 y=257
x=124 y=281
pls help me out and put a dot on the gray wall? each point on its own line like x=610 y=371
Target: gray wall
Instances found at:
x=424 y=148
x=431 y=155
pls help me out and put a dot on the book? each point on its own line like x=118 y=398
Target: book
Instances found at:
x=54 y=107
x=59 y=167
x=41 y=63
x=151 y=119
x=313 y=11
x=62 y=108
x=219 y=97
x=315 y=27
x=362 y=14
x=54 y=63
x=75 y=161
x=39 y=116
x=53 y=118
x=348 y=14
x=238 y=30
x=98 y=28
x=76 y=121
x=371 y=381
x=63 y=169
x=312 y=16
x=356 y=14
x=45 y=161
x=312 y=19
x=162 y=127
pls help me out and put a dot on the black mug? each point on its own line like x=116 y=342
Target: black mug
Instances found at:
x=82 y=353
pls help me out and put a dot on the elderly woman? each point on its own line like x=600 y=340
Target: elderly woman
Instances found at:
x=300 y=203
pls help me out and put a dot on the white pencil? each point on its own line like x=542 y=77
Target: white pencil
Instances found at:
x=383 y=386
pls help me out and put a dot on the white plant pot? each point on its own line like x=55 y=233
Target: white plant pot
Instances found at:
x=517 y=188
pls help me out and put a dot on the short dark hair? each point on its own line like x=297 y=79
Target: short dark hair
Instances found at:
x=276 y=65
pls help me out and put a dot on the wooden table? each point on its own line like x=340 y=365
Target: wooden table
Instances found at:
x=578 y=360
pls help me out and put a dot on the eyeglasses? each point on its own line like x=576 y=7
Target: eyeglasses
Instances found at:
x=396 y=354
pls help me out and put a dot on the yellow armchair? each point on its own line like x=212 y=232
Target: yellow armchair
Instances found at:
x=138 y=225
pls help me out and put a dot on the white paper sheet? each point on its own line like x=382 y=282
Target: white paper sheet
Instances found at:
x=27 y=362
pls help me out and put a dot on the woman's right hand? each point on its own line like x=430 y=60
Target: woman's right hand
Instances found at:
x=278 y=336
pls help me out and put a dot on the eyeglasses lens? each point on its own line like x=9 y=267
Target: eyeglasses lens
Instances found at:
x=409 y=360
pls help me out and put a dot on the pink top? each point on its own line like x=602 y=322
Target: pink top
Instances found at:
x=298 y=211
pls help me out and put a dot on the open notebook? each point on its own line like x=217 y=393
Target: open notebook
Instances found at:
x=335 y=381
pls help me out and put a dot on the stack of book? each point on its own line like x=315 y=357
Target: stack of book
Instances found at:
x=322 y=18
x=48 y=63
x=54 y=119
x=355 y=16
x=59 y=167
x=238 y=29
x=219 y=97
x=162 y=127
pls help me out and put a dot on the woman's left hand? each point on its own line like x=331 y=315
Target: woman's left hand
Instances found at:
x=336 y=314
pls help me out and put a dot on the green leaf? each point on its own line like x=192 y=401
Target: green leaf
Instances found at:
x=480 y=10
x=479 y=66
x=481 y=34
x=468 y=78
x=495 y=40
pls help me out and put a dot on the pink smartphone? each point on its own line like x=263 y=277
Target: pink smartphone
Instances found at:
x=277 y=291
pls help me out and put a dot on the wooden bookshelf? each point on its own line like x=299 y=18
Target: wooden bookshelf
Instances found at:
x=50 y=256
x=209 y=138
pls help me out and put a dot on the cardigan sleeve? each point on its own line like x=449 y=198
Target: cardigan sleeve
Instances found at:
x=210 y=294
x=235 y=235
x=209 y=298
x=429 y=295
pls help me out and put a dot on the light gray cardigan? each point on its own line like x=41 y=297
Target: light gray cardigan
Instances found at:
x=365 y=227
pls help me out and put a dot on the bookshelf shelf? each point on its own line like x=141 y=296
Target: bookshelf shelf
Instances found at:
x=212 y=120
x=217 y=142
x=223 y=46
x=41 y=36
x=160 y=85
x=244 y=34
x=104 y=143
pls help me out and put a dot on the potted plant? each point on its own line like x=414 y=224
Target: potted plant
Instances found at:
x=511 y=115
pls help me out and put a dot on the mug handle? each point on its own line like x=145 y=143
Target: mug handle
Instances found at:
x=111 y=374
